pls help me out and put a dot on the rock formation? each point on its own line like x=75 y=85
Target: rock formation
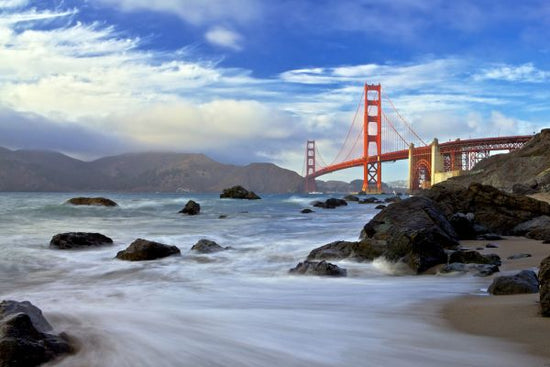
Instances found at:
x=238 y=192
x=321 y=268
x=191 y=208
x=141 y=250
x=525 y=281
x=79 y=240
x=205 y=246
x=99 y=201
x=544 y=280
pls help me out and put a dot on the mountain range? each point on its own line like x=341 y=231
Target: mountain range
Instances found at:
x=27 y=170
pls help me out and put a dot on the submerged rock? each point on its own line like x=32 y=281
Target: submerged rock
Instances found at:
x=191 y=208
x=238 y=192
x=100 y=201
x=306 y=211
x=78 y=240
x=518 y=256
x=25 y=336
x=321 y=268
x=351 y=198
x=205 y=246
x=141 y=250
x=525 y=281
x=330 y=203
x=544 y=279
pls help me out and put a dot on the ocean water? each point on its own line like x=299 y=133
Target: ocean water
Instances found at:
x=234 y=308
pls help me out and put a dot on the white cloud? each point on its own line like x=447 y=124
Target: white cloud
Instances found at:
x=220 y=36
x=197 y=12
x=10 y=4
x=511 y=73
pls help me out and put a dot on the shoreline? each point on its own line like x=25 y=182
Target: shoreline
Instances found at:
x=514 y=318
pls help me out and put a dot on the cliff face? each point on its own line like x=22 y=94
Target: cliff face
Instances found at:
x=526 y=170
x=162 y=172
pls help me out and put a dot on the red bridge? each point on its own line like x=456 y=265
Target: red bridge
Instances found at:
x=377 y=138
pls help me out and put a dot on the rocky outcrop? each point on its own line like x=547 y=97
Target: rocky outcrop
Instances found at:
x=79 y=240
x=321 y=268
x=414 y=231
x=238 y=192
x=99 y=201
x=25 y=336
x=365 y=250
x=474 y=257
x=537 y=228
x=493 y=209
x=191 y=208
x=544 y=280
x=205 y=246
x=141 y=250
x=480 y=270
x=525 y=281
x=329 y=203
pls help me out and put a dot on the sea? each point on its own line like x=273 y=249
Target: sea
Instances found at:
x=239 y=307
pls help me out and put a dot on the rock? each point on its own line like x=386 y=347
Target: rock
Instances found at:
x=306 y=211
x=415 y=232
x=500 y=212
x=538 y=224
x=364 y=250
x=25 y=338
x=321 y=268
x=100 y=201
x=393 y=199
x=518 y=256
x=379 y=207
x=191 y=208
x=222 y=216
x=329 y=203
x=351 y=198
x=370 y=200
x=525 y=281
x=474 y=257
x=491 y=245
x=141 y=250
x=205 y=246
x=78 y=240
x=480 y=270
x=522 y=189
x=238 y=192
x=544 y=279
x=463 y=225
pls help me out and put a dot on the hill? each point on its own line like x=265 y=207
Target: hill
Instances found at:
x=24 y=170
x=525 y=171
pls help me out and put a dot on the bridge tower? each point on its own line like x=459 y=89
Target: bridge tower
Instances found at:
x=310 y=185
x=372 y=137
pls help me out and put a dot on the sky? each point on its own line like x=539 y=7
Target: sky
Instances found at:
x=252 y=80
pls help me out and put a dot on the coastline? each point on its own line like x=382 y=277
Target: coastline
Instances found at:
x=515 y=318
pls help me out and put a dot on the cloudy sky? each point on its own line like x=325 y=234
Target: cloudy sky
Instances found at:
x=251 y=80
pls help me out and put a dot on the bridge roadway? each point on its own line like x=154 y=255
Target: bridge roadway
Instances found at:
x=457 y=146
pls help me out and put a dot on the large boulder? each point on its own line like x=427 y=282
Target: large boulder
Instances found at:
x=191 y=208
x=79 y=240
x=415 y=231
x=544 y=280
x=321 y=268
x=364 y=250
x=496 y=210
x=141 y=250
x=99 y=201
x=238 y=192
x=205 y=246
x=525 y=281
x=25 y=336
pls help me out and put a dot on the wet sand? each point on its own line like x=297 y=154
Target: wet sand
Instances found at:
x=515 y=318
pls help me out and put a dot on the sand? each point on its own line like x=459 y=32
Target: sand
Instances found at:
x=515 y=318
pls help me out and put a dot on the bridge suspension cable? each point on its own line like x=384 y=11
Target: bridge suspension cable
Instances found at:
x=405 y=122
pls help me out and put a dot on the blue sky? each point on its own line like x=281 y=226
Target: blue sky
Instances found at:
x=251 y=80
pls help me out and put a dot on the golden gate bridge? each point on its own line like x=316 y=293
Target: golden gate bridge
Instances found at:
x=385 y=136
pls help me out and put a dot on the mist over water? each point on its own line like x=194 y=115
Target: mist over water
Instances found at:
x=234 y=308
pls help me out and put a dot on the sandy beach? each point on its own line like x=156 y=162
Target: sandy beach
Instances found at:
x=515 y=318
